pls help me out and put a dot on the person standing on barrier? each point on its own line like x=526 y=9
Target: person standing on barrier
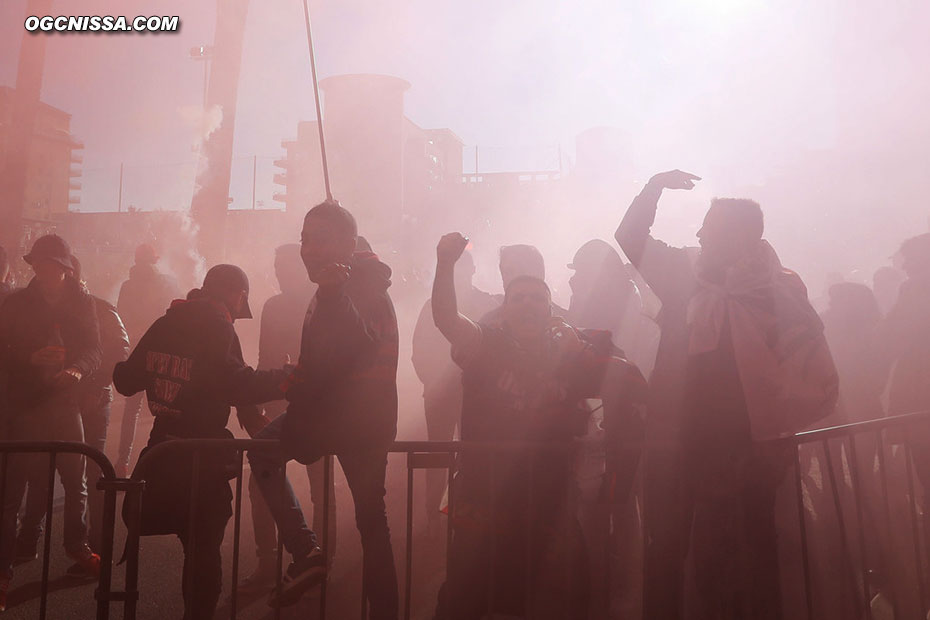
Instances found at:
x=742 y=360
x=49 y=341
x=343 y=401
x=279 y=340
x=441 y=378
x=516 y=539
x=189 y=364
x=94 y=401
x=142 y=298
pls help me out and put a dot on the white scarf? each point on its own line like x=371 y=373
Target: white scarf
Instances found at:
x=785 y=366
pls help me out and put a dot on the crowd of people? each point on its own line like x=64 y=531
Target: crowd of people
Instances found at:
x=694 y=402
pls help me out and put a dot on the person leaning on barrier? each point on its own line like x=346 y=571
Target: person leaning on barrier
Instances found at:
x=94 y=400
x=342 y=400
x=49 y=341
x=524 y=380
x=189 y=363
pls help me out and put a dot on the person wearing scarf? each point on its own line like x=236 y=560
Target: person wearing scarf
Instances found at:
x=742 y=361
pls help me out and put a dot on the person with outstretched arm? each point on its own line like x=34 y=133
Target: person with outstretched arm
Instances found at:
x=189 y=364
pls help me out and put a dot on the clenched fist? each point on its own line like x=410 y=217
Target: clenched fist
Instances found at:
x=450 y=248
x=332 y=275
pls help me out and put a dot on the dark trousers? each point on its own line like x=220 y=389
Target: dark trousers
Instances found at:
x=55 y=422
x=203 y=564
x=95 y=420
x=365 y=472
x=266 y=538
x=666 y=523
x=734 y=538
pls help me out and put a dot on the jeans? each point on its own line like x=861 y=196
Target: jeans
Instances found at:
x=95 y=419
x=364 y=471
x=263 y=522
x=54 y=421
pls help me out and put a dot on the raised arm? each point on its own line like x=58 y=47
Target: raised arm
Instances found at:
x=458 y=330
x=661 y=266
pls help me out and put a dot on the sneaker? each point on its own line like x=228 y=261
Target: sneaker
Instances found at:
x=261 y=580
x=84 y=560
x=4 y=586
x=302 y=575
x=26 y=549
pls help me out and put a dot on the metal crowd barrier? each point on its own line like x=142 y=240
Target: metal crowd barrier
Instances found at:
x=108 y=483
x=857 y=573
x=443 y=455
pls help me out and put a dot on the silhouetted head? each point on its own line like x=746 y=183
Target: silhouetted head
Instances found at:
x=853 y=305
x=4 y=265
x=228 y=285
x=527 y=308
x=50 y=259
x=146 y=255
x=289 y=268
x=732 y=228
x=915 y=253
x=329 y=236
x=598 y=268
x=521 y=260
x=464 y=272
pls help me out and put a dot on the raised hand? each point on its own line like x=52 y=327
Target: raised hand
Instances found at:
x=450 y=248
x=674 y=179
x=332 y=275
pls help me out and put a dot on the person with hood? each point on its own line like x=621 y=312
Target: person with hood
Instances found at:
x=49 y=342
x=94 y=401
x=279 y=340
x=523 y=381
x=441 y=378
x=742 y=359
x=189 y=364
x=142 y=298
x=342 y=400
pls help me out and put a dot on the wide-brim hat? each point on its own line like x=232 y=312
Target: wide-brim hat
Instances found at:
x=52 y=248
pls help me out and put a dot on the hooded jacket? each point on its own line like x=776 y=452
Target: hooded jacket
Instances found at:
x=343 y=394
x=143 y=297
x=190 y=365
x=27 y=324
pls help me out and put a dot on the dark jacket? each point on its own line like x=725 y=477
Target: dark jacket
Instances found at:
x=114 y=344
x=143 y=298
x=27 y=323
x=905 y=333
x=190 y=365
x=669 y=272
x=343 y=394
x=5 y=291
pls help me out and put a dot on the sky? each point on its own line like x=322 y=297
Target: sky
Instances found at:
x=798 y=98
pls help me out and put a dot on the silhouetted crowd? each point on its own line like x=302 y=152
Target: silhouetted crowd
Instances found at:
x=567 y=456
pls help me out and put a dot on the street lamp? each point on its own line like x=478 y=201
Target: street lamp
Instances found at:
x=203 y=53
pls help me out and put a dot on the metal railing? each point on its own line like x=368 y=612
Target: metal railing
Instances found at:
x=841 y=477
x=108 y=483
x=859 y=484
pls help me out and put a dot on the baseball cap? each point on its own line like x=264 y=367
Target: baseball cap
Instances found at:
x=224 y=279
